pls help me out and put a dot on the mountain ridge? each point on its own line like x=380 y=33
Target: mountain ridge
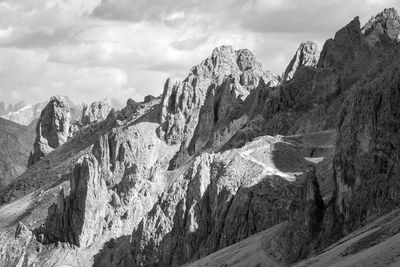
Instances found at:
x=226 y=157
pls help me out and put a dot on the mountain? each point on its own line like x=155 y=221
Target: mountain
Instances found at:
x=15 y=142
x=227 y=168
x=24 y=114
x=306 y=55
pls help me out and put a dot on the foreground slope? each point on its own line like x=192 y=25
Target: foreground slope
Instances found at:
x=15 y=142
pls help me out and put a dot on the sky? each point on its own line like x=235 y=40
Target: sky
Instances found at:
x=92 y=49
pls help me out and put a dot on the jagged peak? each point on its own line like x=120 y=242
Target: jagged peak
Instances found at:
x=352 y=29
x=308 y=46
x=385 y=23
x=59 y=99
x=307 y=54
x=223 y=62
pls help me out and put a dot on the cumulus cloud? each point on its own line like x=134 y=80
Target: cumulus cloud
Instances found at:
x=120 y=48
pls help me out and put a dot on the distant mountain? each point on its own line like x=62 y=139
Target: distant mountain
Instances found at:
x=24 y=114
x=15 y=143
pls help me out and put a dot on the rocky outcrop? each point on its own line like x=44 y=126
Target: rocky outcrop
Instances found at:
x=79 y=217
x=209 y=97
x=306 y=55
x=224 y=198
x=111 y=188
x=168 y=184
x=97 y=111
x=182 y=102
x=383 y=28
x=52 y=129
x=131 y=108
x=367 y=158
x=148 y=98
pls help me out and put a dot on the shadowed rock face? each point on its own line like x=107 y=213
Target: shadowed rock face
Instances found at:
x=367 y=160
x=222 y=199
x=52 y=129
x=79 y=217
x=306 y=55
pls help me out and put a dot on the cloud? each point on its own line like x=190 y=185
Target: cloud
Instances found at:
x=189 y=43
x=121 y=48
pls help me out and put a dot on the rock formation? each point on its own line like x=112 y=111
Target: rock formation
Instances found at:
x=148 y=98
x=383 y=28
x=367 y=159
x=222 y=199
x=131 y=108
x=97 y=111
x=306 y=55
x=25 y=114
x=226 y=154
x=208 y=97
x=52 y=129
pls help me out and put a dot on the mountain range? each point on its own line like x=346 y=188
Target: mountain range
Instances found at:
x=232 y=166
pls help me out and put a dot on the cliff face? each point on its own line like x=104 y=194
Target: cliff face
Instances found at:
x=97 y=111
x=169 y=182
x=306 y=55
x=383 y=28
x=191 y=109
x=223 y=198
x=367 y=158
x=52 y=129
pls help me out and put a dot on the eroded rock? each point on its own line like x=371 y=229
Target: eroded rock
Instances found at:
x=306 y=55
x=52 y=129
x=97 y=111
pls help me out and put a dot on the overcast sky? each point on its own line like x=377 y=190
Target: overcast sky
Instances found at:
x=91 y=49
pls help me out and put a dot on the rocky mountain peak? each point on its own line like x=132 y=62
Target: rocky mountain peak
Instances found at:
x=52 y=129
x=97 y=111
x=333 y=53
x=237 y=72
x=306 y=55
x=382 y=27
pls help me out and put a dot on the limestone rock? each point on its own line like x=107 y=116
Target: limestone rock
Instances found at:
x=383 y=28
x=366 y=162
x=52 y=129
x=97 y=111
x=131 y=108
x=79 y=217
x=22 y=231
x=149 y=98
x=306 y=55
x=222 y=199
x=193 y=109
